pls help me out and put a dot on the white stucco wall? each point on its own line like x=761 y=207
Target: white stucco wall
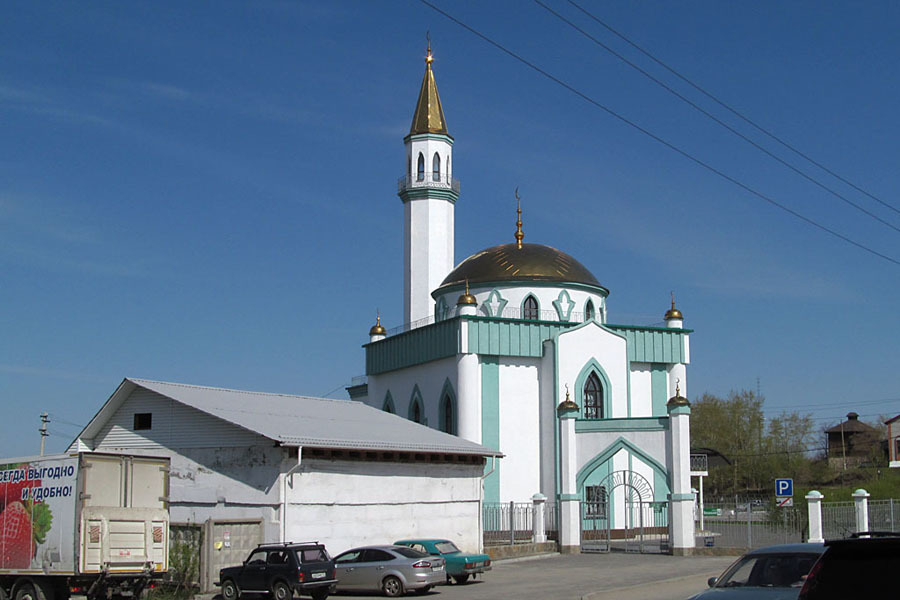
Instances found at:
x=430 y=378
x=347 y=504
x=641 y=391
x=519 y=428
x=576 y=347
x=428 y=253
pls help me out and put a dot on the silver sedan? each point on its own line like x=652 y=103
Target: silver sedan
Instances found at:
x=392 y=569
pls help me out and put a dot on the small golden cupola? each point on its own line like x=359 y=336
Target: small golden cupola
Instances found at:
x=466 y=298
x=674 y=318
x=677 y=400
x=377 y=332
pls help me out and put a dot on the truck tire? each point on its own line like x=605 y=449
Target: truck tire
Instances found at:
x=26 y=592
x=230 y=590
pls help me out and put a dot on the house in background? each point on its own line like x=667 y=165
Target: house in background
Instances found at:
x=850 y=442
x=249 y=467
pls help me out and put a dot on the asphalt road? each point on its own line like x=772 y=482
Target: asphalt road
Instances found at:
x=583 y=576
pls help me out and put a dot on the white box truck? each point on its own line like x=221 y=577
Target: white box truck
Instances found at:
x=82 y=524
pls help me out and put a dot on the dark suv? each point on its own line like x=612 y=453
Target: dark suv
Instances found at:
x=865 y=565
x=282 y=570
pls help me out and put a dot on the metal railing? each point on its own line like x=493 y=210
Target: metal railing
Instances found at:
x=699 y=463
x=428 y=180
x=751 y=524
x=507 y=523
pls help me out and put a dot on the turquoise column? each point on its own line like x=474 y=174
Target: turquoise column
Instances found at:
x=490 y=421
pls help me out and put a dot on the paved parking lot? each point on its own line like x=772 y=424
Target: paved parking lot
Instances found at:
x=584 y=576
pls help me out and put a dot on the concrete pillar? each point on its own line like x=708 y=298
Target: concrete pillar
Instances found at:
x=538 y=526
x=681 y=500
x=814 y=504
x=861 y=498
x=468 y=398
x=569 y=500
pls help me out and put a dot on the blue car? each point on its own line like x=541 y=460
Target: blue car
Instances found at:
x=772 y=573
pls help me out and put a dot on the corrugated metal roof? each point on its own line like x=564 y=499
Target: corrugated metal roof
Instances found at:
x=315 y=422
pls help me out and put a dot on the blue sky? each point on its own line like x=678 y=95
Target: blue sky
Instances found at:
x=206 y=192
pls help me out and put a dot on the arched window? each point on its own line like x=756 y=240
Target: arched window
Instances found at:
x=530 y=309
x=420 y=168
x=589 y=311
x=388 y=406
x=447 y=410
x=436 y=167
x=417 y=412
x=593 y=398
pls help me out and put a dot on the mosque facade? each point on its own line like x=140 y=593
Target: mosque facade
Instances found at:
x=513 y=349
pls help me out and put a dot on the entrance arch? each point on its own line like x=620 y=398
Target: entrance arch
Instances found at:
x=646 y=521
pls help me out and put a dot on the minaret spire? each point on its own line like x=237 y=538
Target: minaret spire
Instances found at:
x=519 y=234
x=429 y=116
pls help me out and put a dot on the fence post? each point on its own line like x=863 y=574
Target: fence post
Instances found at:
x=814 y=503
x=861 y=496
x=512 y=523
x=749 y=524
x=538 y=529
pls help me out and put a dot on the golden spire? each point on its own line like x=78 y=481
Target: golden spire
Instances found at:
x=519 y=234
x=673 y=313
x=429 y=116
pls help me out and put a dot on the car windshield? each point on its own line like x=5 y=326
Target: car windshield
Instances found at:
x=768 y=570
x=446 y=547
x=409 y=552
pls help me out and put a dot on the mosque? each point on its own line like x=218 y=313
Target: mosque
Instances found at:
x=513 y=349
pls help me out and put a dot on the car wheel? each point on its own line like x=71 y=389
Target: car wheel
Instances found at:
x=424 y=590
x=230 y=590
x=281 y=591
x=392 y=587
x=461 y=578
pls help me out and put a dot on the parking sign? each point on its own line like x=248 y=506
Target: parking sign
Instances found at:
x=784 y=487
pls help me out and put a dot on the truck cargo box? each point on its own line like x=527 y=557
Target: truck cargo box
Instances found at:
x=84 y=513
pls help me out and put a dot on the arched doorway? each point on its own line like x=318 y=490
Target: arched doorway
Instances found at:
x=644 y=526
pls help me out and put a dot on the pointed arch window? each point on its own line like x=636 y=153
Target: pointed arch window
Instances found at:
x=596 y=501
x=436 y=167
x=420 y=168
x=447 y=422
x=593 y=398
x=589 y=311
x=530 y=309
x=417 y=412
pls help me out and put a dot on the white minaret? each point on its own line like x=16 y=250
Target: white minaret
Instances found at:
x=429 y=192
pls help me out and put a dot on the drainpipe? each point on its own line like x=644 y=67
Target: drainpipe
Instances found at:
x=284 y=483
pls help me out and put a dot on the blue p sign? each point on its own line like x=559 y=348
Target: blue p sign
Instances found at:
x=784 y=487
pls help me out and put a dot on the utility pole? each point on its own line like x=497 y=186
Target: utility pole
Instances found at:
x=45 y=418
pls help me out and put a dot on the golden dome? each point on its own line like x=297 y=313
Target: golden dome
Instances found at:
x=531 y=262
x=673 y=313
x=377 y=328
x=467 y=298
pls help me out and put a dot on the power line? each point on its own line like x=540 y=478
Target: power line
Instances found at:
x=711 y=116
x=660 y=140
x=734 y=111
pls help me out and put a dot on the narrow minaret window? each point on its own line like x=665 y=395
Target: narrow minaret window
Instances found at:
x=420 y=168
x=436 y=167
x=589 y=311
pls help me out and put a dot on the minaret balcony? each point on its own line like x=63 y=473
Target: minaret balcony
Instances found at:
x=440 y=181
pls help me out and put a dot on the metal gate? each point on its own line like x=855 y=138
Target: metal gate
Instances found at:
x=227 y=542
x=644 y=525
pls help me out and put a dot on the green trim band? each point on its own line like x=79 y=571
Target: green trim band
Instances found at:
x=569 y=497
x=631 y=424
x=428 y=193
x=414 y=137
x=648 y=328
x=680 y=410
x=611 y=451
